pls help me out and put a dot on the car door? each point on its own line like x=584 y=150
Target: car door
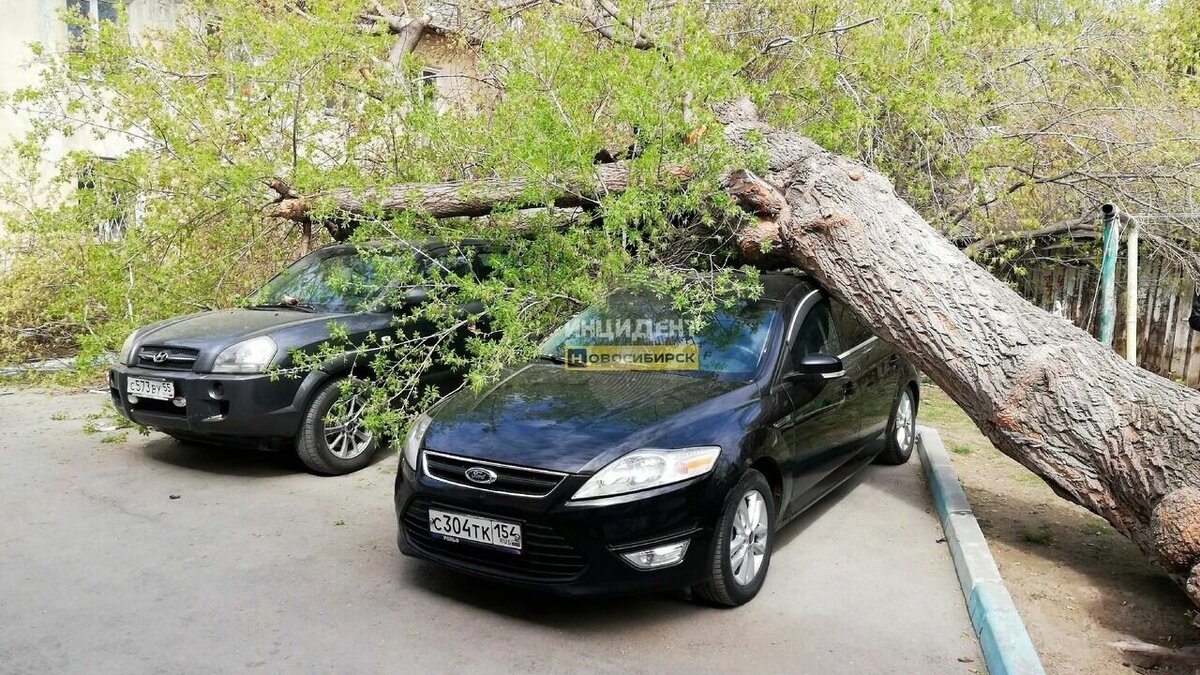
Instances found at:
x=820 y=429
x=873 y=368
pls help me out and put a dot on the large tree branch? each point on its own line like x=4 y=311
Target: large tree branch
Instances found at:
x=639 y=41
x=1075 y=228
x=608 y=30
x=480 y=197
x=464 y=198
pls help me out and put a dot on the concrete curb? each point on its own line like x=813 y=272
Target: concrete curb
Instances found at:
x=1007 y=649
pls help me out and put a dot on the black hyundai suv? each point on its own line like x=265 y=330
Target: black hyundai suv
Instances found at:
x=206 y=376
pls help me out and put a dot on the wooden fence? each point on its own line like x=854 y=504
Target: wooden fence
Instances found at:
x=1166 y=344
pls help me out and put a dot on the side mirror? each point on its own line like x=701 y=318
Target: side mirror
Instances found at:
x=817 y=367
x=415 y=295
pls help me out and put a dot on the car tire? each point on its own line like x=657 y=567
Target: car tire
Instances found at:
x=901 y=430
x=733 y=584
x=323 y=448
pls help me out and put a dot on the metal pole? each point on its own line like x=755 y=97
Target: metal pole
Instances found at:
x=1131 y=297
x=1108 y=272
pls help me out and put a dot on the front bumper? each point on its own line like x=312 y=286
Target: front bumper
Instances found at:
x=569 y=548
x=248 y=409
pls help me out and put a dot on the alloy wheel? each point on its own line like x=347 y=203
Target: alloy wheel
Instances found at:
x=906 y=422
x=346 y=437
x=748 y=538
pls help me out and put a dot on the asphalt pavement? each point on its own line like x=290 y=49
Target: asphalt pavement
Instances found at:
x=149 y=556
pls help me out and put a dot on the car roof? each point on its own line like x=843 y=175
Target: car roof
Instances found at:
x=779 y=285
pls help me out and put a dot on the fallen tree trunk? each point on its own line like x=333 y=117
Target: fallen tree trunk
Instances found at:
x=1118 y=440
x=469 y=198
x=1105 y=434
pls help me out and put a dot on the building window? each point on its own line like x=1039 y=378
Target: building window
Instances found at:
x=428 y=91
x=81 y=8
x=427 y=88
x=106 y=10
x=113 y=206
x=90 y=13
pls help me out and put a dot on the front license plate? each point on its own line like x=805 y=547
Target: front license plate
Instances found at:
x=458 y=528
x=160 y=390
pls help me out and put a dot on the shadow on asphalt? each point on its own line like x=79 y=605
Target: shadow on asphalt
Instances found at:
x=218 y=459
x=571 y=614
x=588 y=614
x=899 y=489
x=230 y=460
x=795 y=528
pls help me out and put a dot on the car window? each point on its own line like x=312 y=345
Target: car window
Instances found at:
x=329 y=281
x=464 y=260
x=851 y=332
x=816 y=334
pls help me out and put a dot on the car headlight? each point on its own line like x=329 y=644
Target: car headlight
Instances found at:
x=412 y=443
x=648 y=468
x=126 y=356
x=247 y=356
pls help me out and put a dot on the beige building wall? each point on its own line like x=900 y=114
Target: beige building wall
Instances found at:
x=455 y=67
x=23 y=22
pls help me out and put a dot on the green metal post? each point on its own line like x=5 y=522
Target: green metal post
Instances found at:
x=1108 y=274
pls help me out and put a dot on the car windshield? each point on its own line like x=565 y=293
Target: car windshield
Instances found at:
x=643 y=332
x=330 y=281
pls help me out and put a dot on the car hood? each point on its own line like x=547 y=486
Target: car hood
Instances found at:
x=546 y=416
x=218 y=329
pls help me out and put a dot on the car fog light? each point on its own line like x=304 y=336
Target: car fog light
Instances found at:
x=661 y=556
x=179 y=402
x=133 y=399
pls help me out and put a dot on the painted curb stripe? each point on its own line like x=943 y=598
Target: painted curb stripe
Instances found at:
x=1007 y=649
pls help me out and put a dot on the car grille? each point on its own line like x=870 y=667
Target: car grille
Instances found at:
x=167 y=358
x=544 y=556
x=512 y=480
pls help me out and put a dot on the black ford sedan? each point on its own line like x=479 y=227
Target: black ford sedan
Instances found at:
x=637 y=456
x=205 y=376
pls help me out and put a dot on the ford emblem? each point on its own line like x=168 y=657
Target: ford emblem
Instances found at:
x=478 y=474
x=160 y=357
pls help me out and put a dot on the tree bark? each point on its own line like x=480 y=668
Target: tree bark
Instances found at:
x=462 y=198
x=409 y=32
x=1119 y=440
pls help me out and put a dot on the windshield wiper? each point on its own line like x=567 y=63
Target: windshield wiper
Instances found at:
x=551 y=358
x=297 y=306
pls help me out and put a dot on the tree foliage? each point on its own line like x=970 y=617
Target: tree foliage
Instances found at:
x=989 y=116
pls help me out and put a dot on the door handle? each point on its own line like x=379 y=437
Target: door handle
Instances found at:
x=849 y=388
